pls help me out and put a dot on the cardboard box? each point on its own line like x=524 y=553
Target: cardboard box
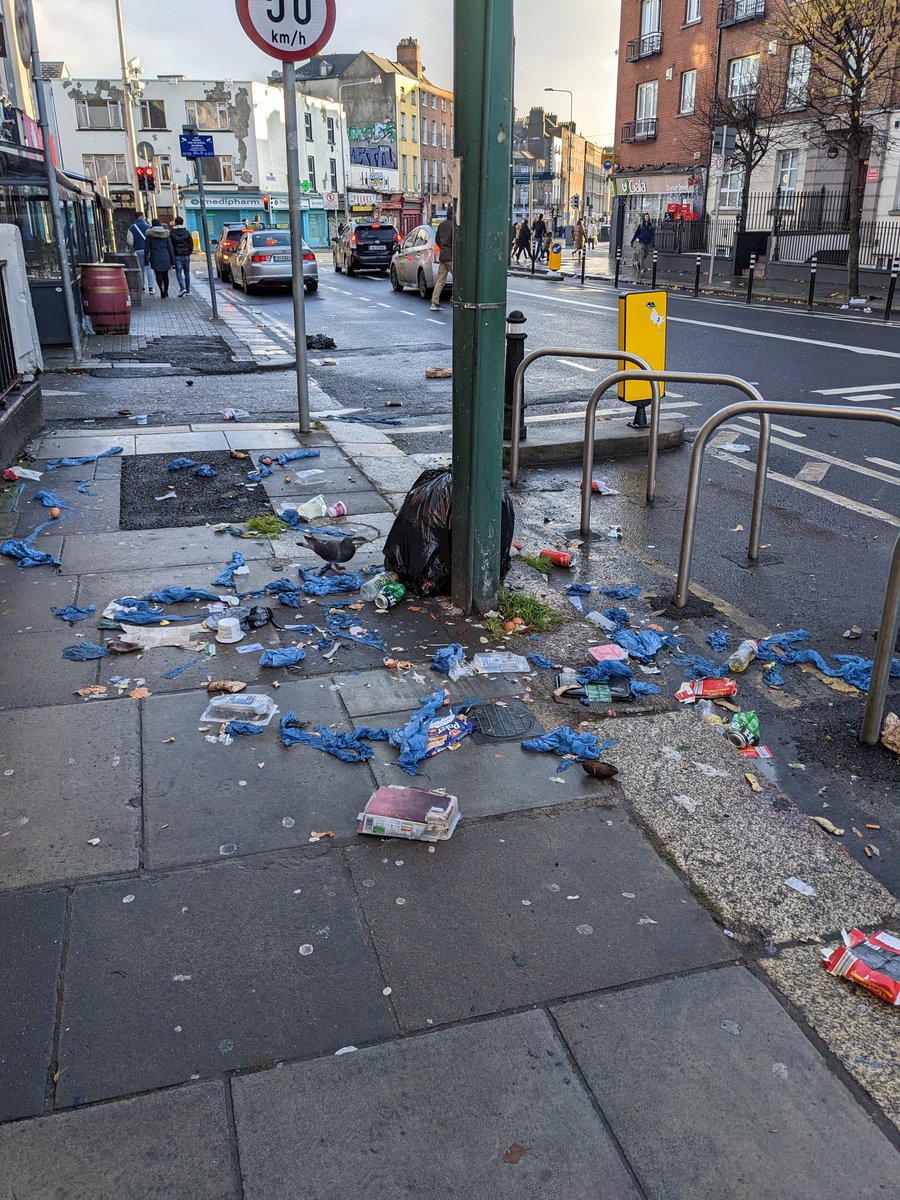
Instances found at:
x=414 y=813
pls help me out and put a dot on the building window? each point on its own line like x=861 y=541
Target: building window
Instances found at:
x=434 y=133
x=332 y=172
x=650 y=17
x=402 y=95
x=311 y=173
x=645 y=109
x=403 y=127
x=692 y=12
x=688 y=91
x=786 y=166
x=731 y=187
x=443 y=136
x=329 y=124
x=743 y=76
x=444 y=187
x=109 y=166
x=404 y=178
x=207 y=114
x=307 y=126
x=415 y=174
x=415 y=131
x=98 y=114
x=426 y=178
x=163 y=165
x=443 y=104
x=797 y=77
x=217 y=170
x=434 y=101
x=153 y=114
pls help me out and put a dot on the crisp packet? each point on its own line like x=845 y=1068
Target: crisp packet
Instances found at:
x=873 y=962
x=705 y=689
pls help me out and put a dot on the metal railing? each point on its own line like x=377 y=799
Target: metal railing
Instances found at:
x=732 y=12
x=643 y=46
x=642 y=130
x=9 y=371
x=884 y=652
x=518 y=400
x=587 y=462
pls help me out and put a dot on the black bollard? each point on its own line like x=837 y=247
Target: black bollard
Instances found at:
x=895 y=268
x=750 y=278
x=655 y=262
x=583 y=260
x=515 y=352
x=618 y=265
x=697 y=277
x=812 y=282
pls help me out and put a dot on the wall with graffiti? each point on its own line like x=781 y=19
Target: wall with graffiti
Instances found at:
x=374 y=144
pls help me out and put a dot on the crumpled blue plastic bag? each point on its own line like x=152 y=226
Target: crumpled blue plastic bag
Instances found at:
x=247 y=728
x=284 y=656
x=293 y=456
x=412 y=738
x=622 y=593
x=341 y=622
x=73 y=613
x=639 y=688
x=176 y=671
x=602 y=672
x=205 y=471
x=177 y=595
x=226 y=579
x=50 y=500
x=55 y=463
x=538 y=660
x=854 y=669
x=180 y=464
x=139 y=612
x=618 y=616
x=84 y=486
x=327 y=585
x=84 y=652
x=698 y=667
x=578 y=589
x=564 y=740
x=644 y=644
x=348 y=747
x=24 y=551
x=448 y=656
x=718 y=640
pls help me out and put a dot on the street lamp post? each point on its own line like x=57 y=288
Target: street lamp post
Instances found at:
x=569 y=153
x=345 y=150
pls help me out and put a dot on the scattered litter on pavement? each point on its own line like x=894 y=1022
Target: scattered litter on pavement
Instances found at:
x=500 y=662
x=599 y=488
x=573 y=747
x=615 y=531
x=688 y=803
x=180 y=464
x=451 y=660
x=84 y=652
x=235 y=414
x=705 y=689
x=631 y=592
x=412 y=813
x=92 y=692
x=24 y=551
x=539 y=660
x=608 y=653
x=872 y=961
x=718 y=640
x=139 y=693
x=599 y=770
x=853 y=633
x=754 y=783
x=438 y=372
x=828 y=826
x=12 y=473
x=248 y=706
x=799 y=886
x=320 y=341
x=205 y=471
x=216 y=686
x=50 y=500
x=170 y=495
x=237 y=566
x=890 y=732
x=781 y=649
x=734 y=447
x=348 y=747
x=285 y=656
x=55 y=463
x=73 y=613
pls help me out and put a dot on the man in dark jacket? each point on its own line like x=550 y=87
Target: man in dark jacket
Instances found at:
x=538 y=233
x=136 y=240
x=182 y=248
x=159 y=255
x=645 y=236
x=444 y=241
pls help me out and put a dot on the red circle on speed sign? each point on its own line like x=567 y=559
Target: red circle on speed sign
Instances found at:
x=290 y=30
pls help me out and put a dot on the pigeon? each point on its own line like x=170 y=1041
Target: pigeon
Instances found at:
x=334 y=550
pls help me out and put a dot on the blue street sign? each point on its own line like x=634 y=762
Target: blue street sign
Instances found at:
x=196 y=145
x=607 y=164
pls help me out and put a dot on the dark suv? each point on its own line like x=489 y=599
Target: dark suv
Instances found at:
x=226 y=247
x=365 y=246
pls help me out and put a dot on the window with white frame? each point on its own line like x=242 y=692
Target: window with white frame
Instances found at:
x=444 y=188
x=219 y=169
x=651 y=11
x=207 y=114
x=403 y=127
x=163 y=165
x=688 y=91
x=743 y=76
x=730 y=188
x=443 y=104
x=692 y=12
x=332 y=173
x=329 y=126
x=433 y=101
x=415 y=174
x=443 y=136
x=645 y=109
x=307 y=126
x=434 y=140
x=426 y=177
x=311 y=172
x=404 y=182
x=111 y=166
x=786 y=166
x=414 y=127
x=798 y=77
x=153 y=114
x=94 y=113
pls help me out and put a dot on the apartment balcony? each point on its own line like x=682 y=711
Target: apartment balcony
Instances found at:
x=639 y=131
x=643 y=47
x=732 y=12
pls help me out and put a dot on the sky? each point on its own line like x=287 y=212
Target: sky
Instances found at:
x=567 y=43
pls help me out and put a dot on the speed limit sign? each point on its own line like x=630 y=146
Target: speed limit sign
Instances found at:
x=290 y=30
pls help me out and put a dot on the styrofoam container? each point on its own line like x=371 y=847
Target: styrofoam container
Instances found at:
x=244 y=706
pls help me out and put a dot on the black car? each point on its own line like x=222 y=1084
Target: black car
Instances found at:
x=365 y=246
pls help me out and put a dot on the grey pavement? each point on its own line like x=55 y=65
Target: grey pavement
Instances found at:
x=218 y=988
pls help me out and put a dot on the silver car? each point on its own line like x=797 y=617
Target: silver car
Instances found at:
x=264 y=256
x=415 y=263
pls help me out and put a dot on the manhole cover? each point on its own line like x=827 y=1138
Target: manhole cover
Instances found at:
x=509 y=722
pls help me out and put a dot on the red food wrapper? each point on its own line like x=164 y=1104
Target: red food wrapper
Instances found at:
x=755 y=752
x=873 y=962
x=705 y=689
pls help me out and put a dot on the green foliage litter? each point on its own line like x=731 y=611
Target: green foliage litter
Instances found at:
x=538 y=617
x=268 y=526
x=544 y=565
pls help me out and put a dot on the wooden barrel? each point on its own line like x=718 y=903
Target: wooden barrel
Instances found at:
x=134 y=274
x=105 y=298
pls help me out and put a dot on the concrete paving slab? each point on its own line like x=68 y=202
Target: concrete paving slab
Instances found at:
x=97 y=513
x=239 y=438
x=174 y=1143
x=231 y=800
x=102 y=587
x=208 y=970
x=81 y=447
x=104 y=468
x=712 y=1089
x=335 y=480
x=859 y=1028
x=357 y=500
x=31 y=935
x=142 y=549
x=517 y=939
x=557 y=444
x=27 y=596
x=379 y=691
x=75 y=777
x=33 y=672
x=509 y=1119
x=179 y=443
x=388 y=475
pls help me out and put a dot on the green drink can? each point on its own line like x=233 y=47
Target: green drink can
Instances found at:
x=390 y=594
x=744 y=729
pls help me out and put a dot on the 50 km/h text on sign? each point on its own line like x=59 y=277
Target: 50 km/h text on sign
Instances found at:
x=292 y=30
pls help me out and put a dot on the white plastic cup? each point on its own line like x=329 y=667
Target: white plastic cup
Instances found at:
x=229 y=630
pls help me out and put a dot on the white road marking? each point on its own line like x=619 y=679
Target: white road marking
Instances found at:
x=864 y=510
x=434 y=321
x=868 y=398
x=817 y=454
x=866 y=387
x=879 y=462
x=813 y=472
x=406 y=312
x=381 y=304
x=578 y=366
x=542 y=418
x=779 y=428
x=47 y=392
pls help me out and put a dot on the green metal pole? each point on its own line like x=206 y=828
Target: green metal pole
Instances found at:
x=483 y=69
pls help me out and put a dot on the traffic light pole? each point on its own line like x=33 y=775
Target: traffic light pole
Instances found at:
x=483 y=138
x=296 y=227
x=201 y=195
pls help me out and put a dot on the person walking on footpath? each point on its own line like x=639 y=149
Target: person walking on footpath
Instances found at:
x=538 y=231
x=182 y=248
x=159 y=255
x=136 y=241
x=523 y=241
x=645 y=236
x=580 y=239
x=592 y=234
x=444 y=241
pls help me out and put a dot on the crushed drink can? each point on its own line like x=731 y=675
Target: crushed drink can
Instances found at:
x=559 y=558
x=390 y=594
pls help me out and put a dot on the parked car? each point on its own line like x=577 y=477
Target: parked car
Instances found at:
x=415 y=263
x=365 y=246
x=226 y=247
x=264 y=256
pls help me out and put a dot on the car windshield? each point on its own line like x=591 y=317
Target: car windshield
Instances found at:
x=272 y=237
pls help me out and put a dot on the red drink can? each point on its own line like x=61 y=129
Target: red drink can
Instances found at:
x=559 y=558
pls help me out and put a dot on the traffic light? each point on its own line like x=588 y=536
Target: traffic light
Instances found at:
x=267 y=205
x=146 y=179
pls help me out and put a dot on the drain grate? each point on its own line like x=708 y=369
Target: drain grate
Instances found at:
x=509 y=722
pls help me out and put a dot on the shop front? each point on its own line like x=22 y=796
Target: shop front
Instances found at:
x=656 y=192
x=402 y=210
x=237 y=208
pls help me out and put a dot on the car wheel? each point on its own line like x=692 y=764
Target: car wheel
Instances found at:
x=423 y=286
x=351 y=269
x=337 y=266
x=244 y=284
x=395 y=281
x=312 y=285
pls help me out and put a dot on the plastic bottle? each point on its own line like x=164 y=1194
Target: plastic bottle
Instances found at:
x=741 y=659
x=373 y=587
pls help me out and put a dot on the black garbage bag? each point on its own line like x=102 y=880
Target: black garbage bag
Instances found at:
x=417 y=549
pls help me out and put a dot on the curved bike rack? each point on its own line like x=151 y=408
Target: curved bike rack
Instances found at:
x=518 y=398
x=675 y=377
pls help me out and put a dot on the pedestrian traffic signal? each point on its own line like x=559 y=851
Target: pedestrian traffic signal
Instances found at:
x=267 y=205
x=146 y=179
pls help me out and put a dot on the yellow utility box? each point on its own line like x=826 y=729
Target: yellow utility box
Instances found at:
x=642 y=331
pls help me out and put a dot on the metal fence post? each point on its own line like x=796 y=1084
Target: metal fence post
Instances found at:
x=655 y=262
x=583 y=259
x=812 y=282
x=884 y=650
x=895 y=268
x=618 y=265
x=515 y=352
x=750 y=278
x=697 y=276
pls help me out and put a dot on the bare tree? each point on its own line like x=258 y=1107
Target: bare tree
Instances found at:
x=853 y=62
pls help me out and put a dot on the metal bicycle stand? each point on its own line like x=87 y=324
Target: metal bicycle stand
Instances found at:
x=653 y=377
x=518 y=398
x=884 y=652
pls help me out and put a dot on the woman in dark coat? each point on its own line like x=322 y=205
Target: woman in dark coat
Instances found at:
x=523 y=241
x=159 y=255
